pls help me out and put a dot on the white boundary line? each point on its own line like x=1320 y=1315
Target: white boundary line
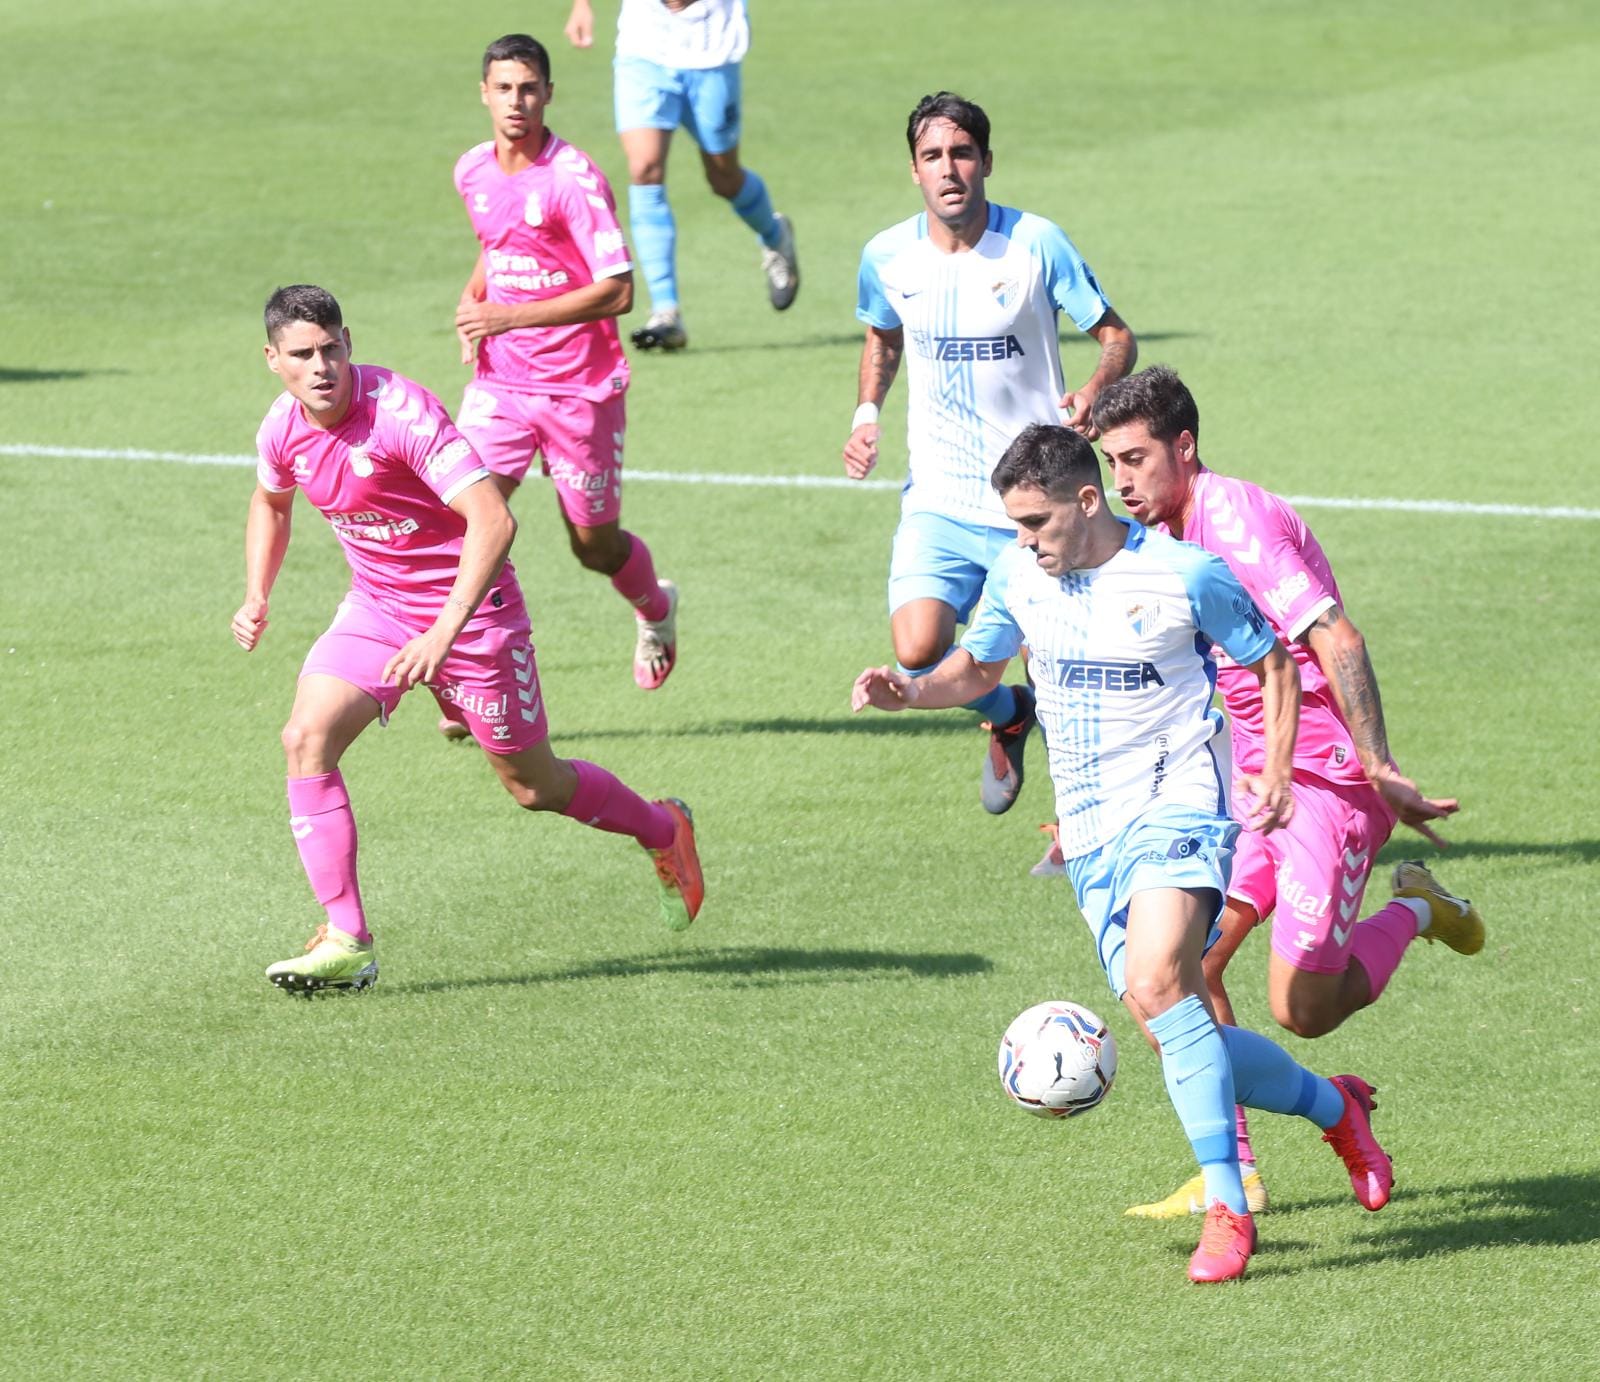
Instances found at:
x=1306 y=501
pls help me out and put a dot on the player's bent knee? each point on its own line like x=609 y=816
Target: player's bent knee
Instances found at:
x=305 y=747
x=1152 y=994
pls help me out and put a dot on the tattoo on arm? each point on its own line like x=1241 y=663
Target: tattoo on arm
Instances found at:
x=1355 y=685
x=880 y=362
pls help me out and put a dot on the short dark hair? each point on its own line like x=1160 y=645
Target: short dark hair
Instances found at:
x=1055 y=459
x=523 y=48
x=1155 y=397
x=946 y=105
x=301 y=302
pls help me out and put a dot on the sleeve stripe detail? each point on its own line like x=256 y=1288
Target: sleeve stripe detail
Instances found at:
x=471 y=478
x=1306 y=620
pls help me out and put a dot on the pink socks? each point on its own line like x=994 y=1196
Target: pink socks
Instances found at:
x=1381 y=940
x=325 y=833
x=1241 y=1137
x=607 y=803
x=636 y=582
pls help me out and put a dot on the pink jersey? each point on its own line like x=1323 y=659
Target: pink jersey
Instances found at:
x=545 y=231
x=384 y=477
x=1269 y=548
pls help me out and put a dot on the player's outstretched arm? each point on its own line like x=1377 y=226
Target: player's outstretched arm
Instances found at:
x=880 y=362
x=580 y=24
x=266 y=539
x=1271 y=788
x=1119 y=350
x=955 y=681
x=1341 y=652
x=605 y=297
x=484 y=548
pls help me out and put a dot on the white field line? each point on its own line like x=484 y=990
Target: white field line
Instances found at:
x=1305 y=501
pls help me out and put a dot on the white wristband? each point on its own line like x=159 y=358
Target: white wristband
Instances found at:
x=867 y=412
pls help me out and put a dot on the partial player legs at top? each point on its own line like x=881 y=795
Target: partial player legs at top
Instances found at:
x=651 y=102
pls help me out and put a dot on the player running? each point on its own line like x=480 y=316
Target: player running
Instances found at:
x=432 y=600
x=1309 y=876
x=537 y=319
x=1119 y=622
x=976 y=288
x=678 y=67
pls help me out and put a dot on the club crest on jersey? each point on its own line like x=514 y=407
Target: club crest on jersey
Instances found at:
x=532 y=212
x=480 y=202
x=359 y=461
x=1005 y=291
x=1142 y=617
x=302 y=468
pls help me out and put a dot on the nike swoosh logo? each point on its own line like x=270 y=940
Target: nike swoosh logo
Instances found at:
x=912 y=295
x=1184 y=1079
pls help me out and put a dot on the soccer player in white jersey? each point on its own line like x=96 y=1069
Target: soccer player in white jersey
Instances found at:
x=1310 y=876
x=1119 y=622
x=968 y=291
x=678 y=67
x=432 y=601
x=537 y=321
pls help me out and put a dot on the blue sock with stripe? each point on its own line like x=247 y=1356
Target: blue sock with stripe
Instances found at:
x=1266 y=1076
x=655 y=241
x=754 y=208
x=1194 y=1063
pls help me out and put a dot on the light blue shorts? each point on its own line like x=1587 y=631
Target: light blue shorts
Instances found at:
x=704 y=101
x=1167 y=847
x=938 y=558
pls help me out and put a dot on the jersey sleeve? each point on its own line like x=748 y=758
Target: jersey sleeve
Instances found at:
x=419 y=432
x=1070 y=282
x=872 y=303
x=992 y=634
x=1274 y=565
x=590 y=211
x=274 y=471
x=1222 y=608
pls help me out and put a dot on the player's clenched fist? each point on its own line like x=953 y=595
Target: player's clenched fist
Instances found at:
x=861 y=451
x=250 y=623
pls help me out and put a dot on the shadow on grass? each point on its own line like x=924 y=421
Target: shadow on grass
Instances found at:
x=1553 y=1211
x=955 y=722
x=46 y=376
x=752 y=965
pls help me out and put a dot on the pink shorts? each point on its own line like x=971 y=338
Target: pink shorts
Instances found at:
x=580 y=443
x=490 y=681
x=1309 y=876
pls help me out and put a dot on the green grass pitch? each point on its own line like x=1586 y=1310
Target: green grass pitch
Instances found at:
x=559 y=1142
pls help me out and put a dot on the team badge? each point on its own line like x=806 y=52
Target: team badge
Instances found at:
x=1142 y=617
x=1005 y=291
x=359 y=462
x=532 y=212
x=302 y=468
x=480 y=202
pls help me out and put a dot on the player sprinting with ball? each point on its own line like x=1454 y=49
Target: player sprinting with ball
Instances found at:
x=537 y=320
x=1119 y=622
x=432 y=601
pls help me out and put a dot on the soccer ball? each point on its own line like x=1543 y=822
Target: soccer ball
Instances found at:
x=1057 y=1059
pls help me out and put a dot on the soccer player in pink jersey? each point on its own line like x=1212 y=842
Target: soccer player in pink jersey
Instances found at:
x=1310 y=875
x=537 y=319
x=432 y=600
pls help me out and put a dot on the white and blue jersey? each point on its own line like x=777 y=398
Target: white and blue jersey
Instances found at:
x=1122 y=672
x=981 y=353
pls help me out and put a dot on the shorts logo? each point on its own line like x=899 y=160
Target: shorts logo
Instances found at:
x=532 y=212
x=477 y=408
x=1185 y=849
x=976 y=347
x=501 y=732
x=360 y=462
